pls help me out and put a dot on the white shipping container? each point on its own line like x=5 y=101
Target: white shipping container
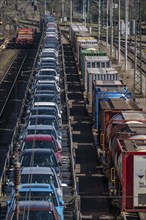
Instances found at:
x=139 y=180
x=94 y=62
x=101 y=74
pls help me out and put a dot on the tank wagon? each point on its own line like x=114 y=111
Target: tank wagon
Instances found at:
x=119 y=124
x=25 y=37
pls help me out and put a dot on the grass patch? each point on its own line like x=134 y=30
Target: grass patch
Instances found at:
x=5 y=58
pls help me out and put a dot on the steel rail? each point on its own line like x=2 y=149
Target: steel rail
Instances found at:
x=13 y=84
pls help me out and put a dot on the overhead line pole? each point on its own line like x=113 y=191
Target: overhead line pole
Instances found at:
x=71 y=11
x=126 y=30
x=83 y=12
x=137 y=49
x=99 y=20
x=111 y=24
x=107 y=24
x=62 y=9
x=45 y=7
x=119 y=33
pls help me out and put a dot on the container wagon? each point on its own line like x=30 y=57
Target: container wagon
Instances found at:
x=119 y=123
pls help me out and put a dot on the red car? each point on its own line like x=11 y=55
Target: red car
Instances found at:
x=42 y=141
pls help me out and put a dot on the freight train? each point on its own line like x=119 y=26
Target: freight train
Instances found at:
x=37 y=144
x=119 y=124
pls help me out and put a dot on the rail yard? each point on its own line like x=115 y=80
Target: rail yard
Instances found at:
x=72 y=131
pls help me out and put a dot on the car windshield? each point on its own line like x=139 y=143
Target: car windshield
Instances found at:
x=46 y=77
x=48 y=54
x=43 y=111
x=42 y=131
x=39 y=178
x=34 y=214
x=39 y=144
x=48 y=64
x=45 y=98
x=50 y=45
x=42 y=196
x=43 y=121
x=47 y=72
x=45 y=87
x=39 y=159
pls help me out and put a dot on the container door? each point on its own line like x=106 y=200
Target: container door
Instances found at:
x=139 y=181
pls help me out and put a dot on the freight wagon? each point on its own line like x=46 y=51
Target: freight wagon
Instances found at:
x=83 y=40
x=85 y=47
x=95 y=74
x=104 y=90
x=93 y=62
x=109 y=108
x=25 y=37
x=75 y=31
x=129 y=174
x=119 y=123
x=89 y=51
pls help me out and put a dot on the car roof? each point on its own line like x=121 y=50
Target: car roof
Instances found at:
x=44 y=94
x=36 y=187
x=48 y=69
x=37 y=170
x=48 y=58
x=39 y=137
x=47 y=127
x=49 y=108
x=45 y=104
x=38 y=150
x=42 y=116
x=49 y=49
x=41 y=108
x=44 y=83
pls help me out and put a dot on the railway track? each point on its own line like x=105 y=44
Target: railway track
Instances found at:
x=12 y=90
x=90 y=180
x=131 y=57
x=67 y=157
x=9 y=80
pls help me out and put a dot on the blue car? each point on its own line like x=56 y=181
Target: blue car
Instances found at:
x=42 y=192
x=40 y=210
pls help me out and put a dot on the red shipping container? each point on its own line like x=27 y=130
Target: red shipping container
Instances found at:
x=129 y=159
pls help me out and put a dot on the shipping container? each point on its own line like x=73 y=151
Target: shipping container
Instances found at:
x=88 y=46
x=95 y=74
x=93 y=62
x=90 y=52
x=128 y=174
x=104 y=90
x=121 y=118
x=131 y=130
x=85 y=40
x=107 y=109
x=77 y=30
